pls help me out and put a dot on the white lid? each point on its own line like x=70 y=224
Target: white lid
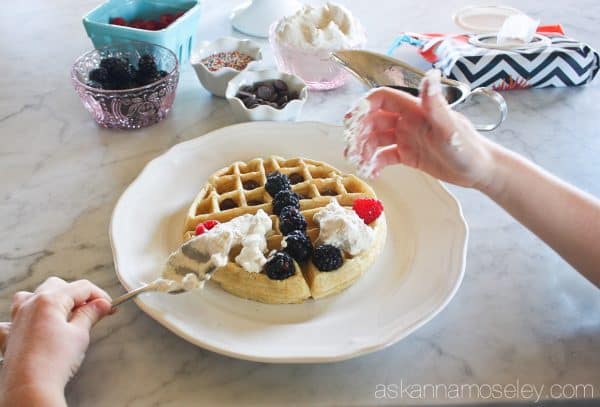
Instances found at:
x=483 y=19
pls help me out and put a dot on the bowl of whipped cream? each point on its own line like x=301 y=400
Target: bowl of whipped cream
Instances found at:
x=302 y=43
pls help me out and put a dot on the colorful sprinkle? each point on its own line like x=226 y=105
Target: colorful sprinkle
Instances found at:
x=235 y=60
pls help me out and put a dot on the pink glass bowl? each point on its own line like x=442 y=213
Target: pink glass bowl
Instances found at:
x=128 y=108
x=314 y=66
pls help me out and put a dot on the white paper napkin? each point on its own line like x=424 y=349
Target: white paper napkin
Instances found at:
x=517 y=28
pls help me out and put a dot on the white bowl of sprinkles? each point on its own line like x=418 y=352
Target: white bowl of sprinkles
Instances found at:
x=217 y=62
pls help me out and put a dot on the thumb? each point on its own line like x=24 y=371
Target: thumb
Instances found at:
x=88 y=314
x=435 y=105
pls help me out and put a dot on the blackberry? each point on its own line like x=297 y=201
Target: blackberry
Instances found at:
x=283 y=199
x=99 y=75
x=327 y=257
x=298 y=245
x=143 y=80
x=94 y=84
x=147 y=66
x=277 y=182
x=118 y=70
x=290 y=219
x=280 y=266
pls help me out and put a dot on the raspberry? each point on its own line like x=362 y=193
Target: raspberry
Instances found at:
x=118 y=21
x=166 y=19
x=283 y=199
x=137 y=23
x=298 y=245
x=209 y=224
x=200 y=229
x=150 y=25
x=290 y=219
x=368 y=209
x=277 y=182
x=327 y=257
x=280 y=266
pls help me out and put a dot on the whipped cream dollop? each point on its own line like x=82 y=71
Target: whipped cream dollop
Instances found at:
x=213 y=247
x=164 y=285
x=330 y=26
x=356 y=131
x=343 y=228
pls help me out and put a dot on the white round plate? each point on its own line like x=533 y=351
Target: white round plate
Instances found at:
x=417 y=274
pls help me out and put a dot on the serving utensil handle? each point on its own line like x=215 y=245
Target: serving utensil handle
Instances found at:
x=500 y=104
x=131 y=294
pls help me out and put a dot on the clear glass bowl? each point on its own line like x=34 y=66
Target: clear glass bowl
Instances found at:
x=314 y=66
x=128 y=108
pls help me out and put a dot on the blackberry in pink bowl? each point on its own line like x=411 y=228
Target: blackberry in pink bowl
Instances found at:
x=127 y=86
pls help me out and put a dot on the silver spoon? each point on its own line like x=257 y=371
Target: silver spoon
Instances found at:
x=143 y=289
x=153 y=287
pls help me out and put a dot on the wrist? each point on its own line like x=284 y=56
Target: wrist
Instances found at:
x=20 y=387
x=32 y=394
x=493 y=180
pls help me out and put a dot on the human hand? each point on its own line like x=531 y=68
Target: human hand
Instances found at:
x=48 y=337
x=392 y=127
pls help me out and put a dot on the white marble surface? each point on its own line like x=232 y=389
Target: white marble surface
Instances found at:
x=521 y=313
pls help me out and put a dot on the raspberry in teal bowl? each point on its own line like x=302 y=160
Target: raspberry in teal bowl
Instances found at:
x=179 y=36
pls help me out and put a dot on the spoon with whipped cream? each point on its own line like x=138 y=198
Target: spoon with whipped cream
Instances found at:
x=193 y=263
x=189 y=282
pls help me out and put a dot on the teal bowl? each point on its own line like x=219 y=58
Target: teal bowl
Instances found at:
x=179 y=36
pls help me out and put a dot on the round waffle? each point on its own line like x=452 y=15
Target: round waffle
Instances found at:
x=239 y=189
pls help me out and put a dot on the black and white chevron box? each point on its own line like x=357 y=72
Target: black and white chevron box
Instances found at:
x=565 y=62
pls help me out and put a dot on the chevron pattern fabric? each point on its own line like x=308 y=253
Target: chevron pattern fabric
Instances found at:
x=566 y=62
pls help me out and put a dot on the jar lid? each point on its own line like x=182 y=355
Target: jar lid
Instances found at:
x=483 y=19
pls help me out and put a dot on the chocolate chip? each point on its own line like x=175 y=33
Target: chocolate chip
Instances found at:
x=295 y=178
x=245 y=94
x=280 y=85
x=282 y=100
x=271 y=93
x=227 y=204
x=255 y=202
x=265 y=92
x=251 y=103
x=250 y=185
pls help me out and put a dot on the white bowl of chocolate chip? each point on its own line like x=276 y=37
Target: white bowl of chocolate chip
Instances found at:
x=217 y=62
x=266 y=95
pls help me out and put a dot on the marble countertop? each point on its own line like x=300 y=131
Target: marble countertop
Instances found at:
x=522 y=314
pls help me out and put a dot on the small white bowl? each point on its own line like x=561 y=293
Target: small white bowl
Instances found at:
x=290 y=112
x=216 y=82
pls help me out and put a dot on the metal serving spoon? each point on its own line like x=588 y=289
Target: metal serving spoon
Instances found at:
x=376 y=70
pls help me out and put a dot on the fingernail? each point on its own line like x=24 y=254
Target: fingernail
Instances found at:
x=433 y=78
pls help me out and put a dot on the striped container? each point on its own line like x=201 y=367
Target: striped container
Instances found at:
x=179 y=36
